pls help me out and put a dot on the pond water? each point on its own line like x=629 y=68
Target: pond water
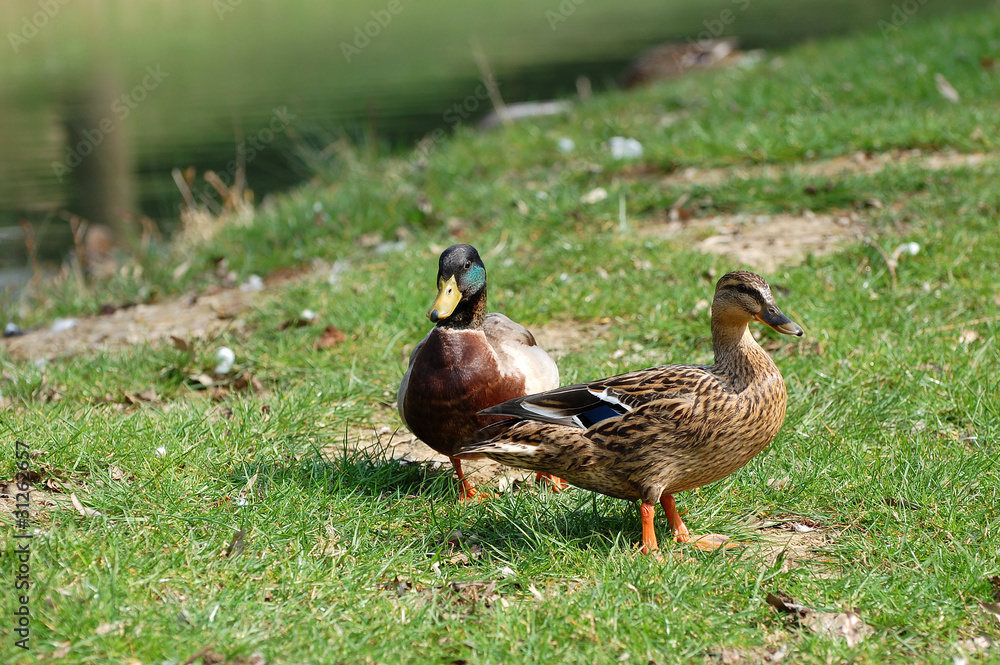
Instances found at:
x=100 y=100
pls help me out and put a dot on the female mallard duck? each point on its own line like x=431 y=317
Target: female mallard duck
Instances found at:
x=470 y=360
x=649 y=434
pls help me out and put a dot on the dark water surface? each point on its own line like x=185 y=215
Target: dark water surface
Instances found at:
x=101 y=99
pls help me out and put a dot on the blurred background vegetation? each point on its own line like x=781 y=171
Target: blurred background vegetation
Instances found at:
x=100 y=100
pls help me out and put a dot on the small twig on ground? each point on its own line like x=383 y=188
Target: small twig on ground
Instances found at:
x=79 y=228
x=889 y=262
x=31 y=246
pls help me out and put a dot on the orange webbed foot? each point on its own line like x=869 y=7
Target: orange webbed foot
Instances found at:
x=556 y=483
x=466 y=492
x=470 y=494
x=707 y=543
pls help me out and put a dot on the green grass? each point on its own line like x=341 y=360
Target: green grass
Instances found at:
x=889 y=445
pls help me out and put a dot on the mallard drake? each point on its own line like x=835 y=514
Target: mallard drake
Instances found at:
x=649 y=434
x=469 y=361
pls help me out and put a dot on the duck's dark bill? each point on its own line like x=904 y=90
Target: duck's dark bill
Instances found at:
x=773 y=317
x=448 y=298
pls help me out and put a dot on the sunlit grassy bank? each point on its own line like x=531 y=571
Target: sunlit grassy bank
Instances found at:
x=243 y=536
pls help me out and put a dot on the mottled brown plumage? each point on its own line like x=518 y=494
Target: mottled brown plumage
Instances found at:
x=670 y=60
x=469 y=361
x=649 y=434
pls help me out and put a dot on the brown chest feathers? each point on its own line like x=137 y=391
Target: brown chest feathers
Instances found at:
x=455 y=375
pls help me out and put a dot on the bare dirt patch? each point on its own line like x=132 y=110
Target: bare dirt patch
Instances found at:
x=393 y=443
x=203 y=316
x=45 y=489
x=764 y=242
x=794 y=543
x=862 y=163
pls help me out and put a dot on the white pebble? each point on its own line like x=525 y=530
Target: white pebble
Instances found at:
x=225 y=359
x=161 y=451
x=625 y=148
x=253 y=283
x=59 y=325
x=594 y=196
x=307 y=315
x=913 y=248
x=566 y=145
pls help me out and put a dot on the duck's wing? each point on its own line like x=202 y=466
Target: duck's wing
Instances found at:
x=519 y=355
x=586 y=405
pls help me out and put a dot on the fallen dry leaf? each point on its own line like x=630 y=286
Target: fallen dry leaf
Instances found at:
x=782 y=602
x=946 y=89
x=180 y=343
x=203 y=379
x=148 y=395
x=105 y=628
x=83 y=510
x=236 y=545
x=305 y=318
x=475 y=592
x=847 y=625
x=992 y=608
x=51 y=395
x=778 y=483
x=776 y=656
x=975 y=645
x=247 y=382
x=117 y=473
x=331 y=337
x=206 y=656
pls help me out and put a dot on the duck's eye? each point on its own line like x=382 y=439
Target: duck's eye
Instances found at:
x=772 y=311
x=468 y=264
